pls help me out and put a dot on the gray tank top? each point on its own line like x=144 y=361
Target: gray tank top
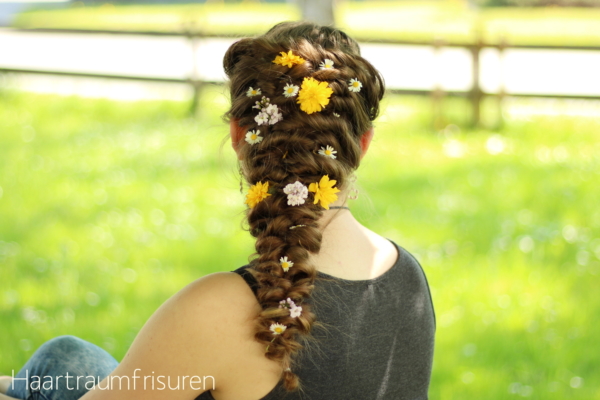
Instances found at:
x=374 y=339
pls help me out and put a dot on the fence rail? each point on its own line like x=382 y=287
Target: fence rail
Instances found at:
x=475 y=94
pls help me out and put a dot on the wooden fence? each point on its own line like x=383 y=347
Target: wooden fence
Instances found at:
x=475 y=95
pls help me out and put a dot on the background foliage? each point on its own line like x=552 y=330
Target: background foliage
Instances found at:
x=108 y=208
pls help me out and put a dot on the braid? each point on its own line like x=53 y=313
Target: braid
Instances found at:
x=288 y=152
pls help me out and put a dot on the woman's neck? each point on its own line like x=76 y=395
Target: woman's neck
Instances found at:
x=349 y=250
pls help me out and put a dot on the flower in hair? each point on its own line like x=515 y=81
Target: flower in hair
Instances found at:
x=327 y=151
x=288 y=59
x=295 y=311
x=253 y=137
x=336 y=115
x=263 y=103
x=277 y=328
x=326 y=64
x=324 y=191
x=257 y=193
x=314 y=95
x=262 y=118
x=285 y=263
x=269 y=113
x=354 y=85
x=290 y=90
x=296 y=193
x=253 y=92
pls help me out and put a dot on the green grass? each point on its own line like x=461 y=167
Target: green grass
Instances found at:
x=398 y=20
x=108 y=208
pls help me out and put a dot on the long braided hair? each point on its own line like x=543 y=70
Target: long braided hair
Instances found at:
x=289 y=151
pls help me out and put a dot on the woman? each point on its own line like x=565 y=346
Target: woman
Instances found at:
x=326 y=308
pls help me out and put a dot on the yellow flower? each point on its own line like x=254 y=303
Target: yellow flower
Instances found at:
x=313 y=95
x=324 y=191
x=288 y=59
x=257 y=193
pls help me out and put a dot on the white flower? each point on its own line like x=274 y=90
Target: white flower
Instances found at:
x=269 y=113
x=336 y=115
x=296 y=192
x=274 y=114
x=277 y=328
x=262 y=118
x=253 y=137
x=328 y=152
x=290 y=90
x=326 y=64
x=287 y=303
x=262 y=103
x=285 y=263
x=275 y=118
x=253 y=92
x=354 y=85
x=295 y=311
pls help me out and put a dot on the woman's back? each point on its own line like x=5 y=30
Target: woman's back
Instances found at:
x=374 y=340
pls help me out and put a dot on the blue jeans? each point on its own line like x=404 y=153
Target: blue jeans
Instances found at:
x=64 y=368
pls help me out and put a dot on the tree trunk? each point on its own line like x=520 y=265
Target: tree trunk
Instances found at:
x=317 y=11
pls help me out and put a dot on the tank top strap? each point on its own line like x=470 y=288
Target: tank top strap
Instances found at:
x=247 y=276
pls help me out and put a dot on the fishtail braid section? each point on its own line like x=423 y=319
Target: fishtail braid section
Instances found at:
x=288 y=153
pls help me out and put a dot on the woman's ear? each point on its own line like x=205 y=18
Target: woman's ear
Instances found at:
x=237 y=134
x=365 y=141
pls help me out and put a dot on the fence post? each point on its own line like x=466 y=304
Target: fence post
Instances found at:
x=193 y=35
x=502 y=89
x=437 y=95
x=476 y=93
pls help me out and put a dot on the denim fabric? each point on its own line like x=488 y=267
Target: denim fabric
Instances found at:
x=44 y=376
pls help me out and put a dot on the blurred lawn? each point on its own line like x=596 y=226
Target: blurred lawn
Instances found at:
x=397 y=20
x=108 y=208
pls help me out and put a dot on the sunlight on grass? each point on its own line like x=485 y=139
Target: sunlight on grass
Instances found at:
x=108 y=208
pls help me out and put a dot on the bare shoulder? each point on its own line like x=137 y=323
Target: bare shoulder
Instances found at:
x=221 y=290
x=205 y=330
x=219 y=309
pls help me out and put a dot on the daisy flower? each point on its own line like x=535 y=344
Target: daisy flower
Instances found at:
x=314 y=95
x=324 y=191
x=354 y=85
x=277 y=328
x=327 y=151
x=253 y=137
x=288 y=59
x=296 y=192
x=257 y=193
x=326 y=64
x=285 y=263
x=253 y=92
x=290 y=90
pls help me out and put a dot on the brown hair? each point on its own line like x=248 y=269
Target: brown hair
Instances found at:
x=289 y=153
